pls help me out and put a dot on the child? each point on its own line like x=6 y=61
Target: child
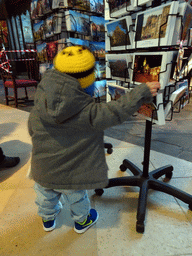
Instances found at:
x=67 y=130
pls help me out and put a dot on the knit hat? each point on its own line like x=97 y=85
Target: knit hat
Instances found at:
x=78 y=62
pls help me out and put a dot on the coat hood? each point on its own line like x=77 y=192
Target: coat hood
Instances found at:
x=59 y=97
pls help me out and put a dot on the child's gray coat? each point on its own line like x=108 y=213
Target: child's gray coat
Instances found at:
x=67 y=129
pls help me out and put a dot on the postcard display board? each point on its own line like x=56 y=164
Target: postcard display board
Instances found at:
x=138 y=40
x=60 y=23
x=146 y=41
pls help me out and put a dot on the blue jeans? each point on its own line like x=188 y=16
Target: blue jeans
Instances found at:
x=47 y=201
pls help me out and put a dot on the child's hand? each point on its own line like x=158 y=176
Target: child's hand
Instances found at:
x=154 y=87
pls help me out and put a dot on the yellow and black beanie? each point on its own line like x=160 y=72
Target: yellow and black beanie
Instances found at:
x=78 y=62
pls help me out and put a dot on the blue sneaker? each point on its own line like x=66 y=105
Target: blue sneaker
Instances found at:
x=49 y=225
x=81 y=227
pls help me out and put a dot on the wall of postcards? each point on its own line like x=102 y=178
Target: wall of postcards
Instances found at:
x=149 y=41
x=60 y=23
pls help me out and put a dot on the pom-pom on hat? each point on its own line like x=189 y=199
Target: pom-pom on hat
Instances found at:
x=78 y=62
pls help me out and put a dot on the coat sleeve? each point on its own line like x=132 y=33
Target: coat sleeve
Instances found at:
x=105 y=115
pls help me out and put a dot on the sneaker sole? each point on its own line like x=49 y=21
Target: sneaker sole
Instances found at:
x=85 y=229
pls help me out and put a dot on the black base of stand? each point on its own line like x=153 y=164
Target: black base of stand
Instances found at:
x=146 y=181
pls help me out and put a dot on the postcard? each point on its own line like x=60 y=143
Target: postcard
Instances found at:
x=35 y=9
x=46 y=6
x=77 y=41
x=38 y=30
x=119 y=35
x=178 y=65
x=52 y=49
x=190 y=38
x=98 y=28
x=117 y=66
x=187 y=67
x=156 y=28
x=4 y=33
x=180 y=61
x=81 y=5
x=100 y=70
x=53 y=24
x=97 y=6
x=138 y=3
x=58 y=4
x=114 y=91
x=98 y=48
x=154 y=111
x=118 y=8
x=42 y=52
x=174 y=98
x=100 y=88
x=77 y=22
x=152 y=66
x=183 y=24
x=39 y=8
x=61 y=43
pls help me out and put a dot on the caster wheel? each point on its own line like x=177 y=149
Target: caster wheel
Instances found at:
x=109 y=150
x=190 y=206
x=140 y=227
x=169 y=175
x=99 y=192
x=123 y=168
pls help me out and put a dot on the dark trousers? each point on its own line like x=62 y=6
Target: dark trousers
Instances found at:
x=2 y=156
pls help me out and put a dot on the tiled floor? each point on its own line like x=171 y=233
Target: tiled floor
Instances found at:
x=168 y=229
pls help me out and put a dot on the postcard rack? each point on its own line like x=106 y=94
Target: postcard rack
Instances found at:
x=48 y=40
x=144 y=179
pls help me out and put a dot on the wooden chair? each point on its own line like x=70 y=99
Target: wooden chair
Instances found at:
x=10 y=81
